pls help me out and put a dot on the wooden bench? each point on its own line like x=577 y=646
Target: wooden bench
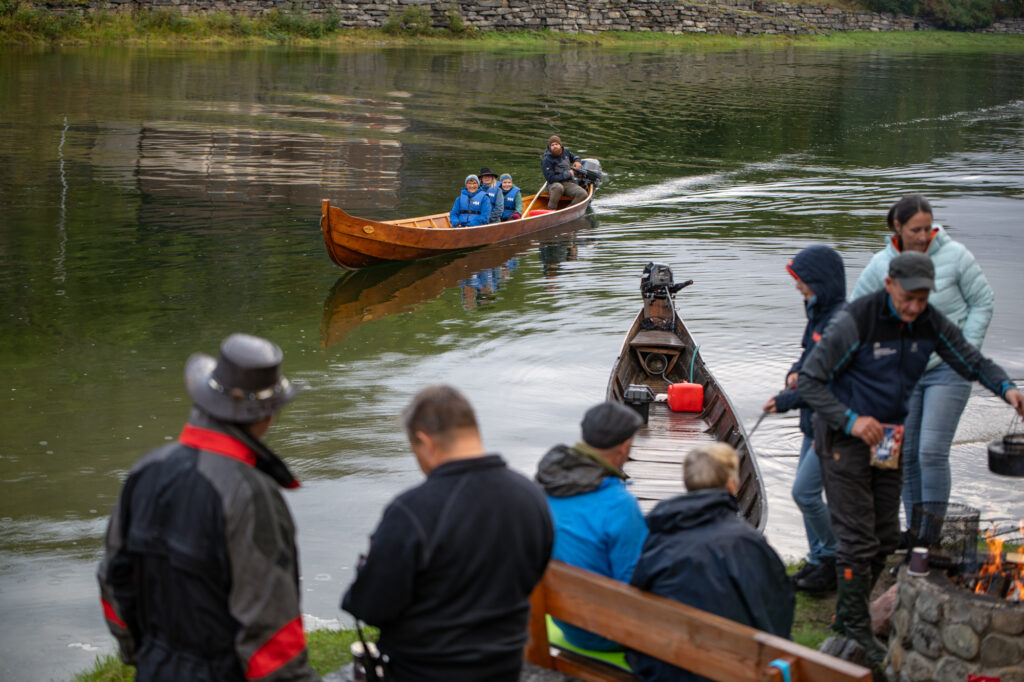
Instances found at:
x=698 y=641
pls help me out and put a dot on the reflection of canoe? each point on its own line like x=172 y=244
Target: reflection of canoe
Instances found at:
x=359 y=297
x=659 y=339
x=354 y=242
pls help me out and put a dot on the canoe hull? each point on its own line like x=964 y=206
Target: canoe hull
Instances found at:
x=659 y=448
x=354 y=242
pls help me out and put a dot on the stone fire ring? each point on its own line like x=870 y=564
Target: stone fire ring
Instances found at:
x=941 y=631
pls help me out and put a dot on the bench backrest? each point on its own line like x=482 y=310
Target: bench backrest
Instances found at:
x=682 y=635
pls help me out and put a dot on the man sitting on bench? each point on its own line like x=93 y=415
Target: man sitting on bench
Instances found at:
x=700 y=552
x=598 y=523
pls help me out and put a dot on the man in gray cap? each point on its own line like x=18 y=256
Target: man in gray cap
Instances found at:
x=200 y=578
x=858 y=380
x=598 y=522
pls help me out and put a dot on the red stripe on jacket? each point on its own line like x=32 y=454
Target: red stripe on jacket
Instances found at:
x=218 y=442
x=286 y=644
x=111 y=615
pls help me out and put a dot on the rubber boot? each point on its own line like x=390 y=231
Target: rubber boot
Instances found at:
x=852 y=604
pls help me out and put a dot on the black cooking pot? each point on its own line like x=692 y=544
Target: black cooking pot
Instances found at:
x=1006 y=455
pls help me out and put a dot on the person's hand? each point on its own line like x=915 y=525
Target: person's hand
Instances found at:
x=791 y=380
x=1016 y=399
x=577 y=164
x=770 y=406
x=868 y=430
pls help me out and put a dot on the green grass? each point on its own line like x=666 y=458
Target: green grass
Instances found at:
x=328 y=651
x=23 y=24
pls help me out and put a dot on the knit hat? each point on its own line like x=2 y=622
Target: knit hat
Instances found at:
x=503 y=176
x=608 y=424
x=471 y=177
x=554 y=138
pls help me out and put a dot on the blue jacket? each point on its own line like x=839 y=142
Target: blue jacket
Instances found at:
x=558 y=168
x=961 y=291
x=821 y=268
x=699 y=552
x=513 y=203
x=869 y=360
x=497 y=198
x=598 y=523
x=470 y=210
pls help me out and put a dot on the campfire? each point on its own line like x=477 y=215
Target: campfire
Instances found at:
x=963 y=618
x=1002 y=574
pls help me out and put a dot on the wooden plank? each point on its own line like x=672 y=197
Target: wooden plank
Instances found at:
x=704 y=643
x=588 y=669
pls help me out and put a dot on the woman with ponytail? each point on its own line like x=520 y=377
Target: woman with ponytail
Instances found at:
x=964 y=296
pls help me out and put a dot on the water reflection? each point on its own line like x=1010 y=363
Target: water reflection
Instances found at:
x=375 y=293
x=156 y=200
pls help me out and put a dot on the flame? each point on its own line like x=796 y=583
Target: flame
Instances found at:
x=994 y=564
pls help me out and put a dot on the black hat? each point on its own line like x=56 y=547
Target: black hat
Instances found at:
x=486 y=171
x=913 y=270
x=609 y=424
x=244 y=384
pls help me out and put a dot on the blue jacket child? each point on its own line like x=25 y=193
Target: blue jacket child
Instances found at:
x=820 y=268
x=472 y=207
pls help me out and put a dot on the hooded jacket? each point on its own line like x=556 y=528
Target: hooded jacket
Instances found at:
x=699 y=552
x=200 y=578
x=598 y=522
x=961 y=291
x=471 y=210
x=820 y=268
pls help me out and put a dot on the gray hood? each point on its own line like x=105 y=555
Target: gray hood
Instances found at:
x=565 y=471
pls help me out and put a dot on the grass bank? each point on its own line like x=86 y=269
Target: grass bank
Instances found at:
x=31 y=26
x=329 y=649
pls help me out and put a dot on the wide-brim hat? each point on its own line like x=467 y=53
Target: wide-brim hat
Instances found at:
x=487 y=171
x=244 y=384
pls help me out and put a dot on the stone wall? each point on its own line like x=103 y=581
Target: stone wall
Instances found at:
x=733 y=17
x=941 y=632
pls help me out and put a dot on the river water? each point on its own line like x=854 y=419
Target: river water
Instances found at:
x=154 y=201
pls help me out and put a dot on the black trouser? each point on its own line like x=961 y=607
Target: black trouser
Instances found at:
x=863 y=501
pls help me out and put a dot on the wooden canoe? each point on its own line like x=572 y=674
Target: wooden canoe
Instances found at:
x=660 y=447
x=355 y=243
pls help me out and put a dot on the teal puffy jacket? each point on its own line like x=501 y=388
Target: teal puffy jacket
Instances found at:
x=961 y=291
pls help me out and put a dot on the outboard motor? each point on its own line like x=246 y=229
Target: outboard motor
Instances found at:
x=589 y=173
x=657 y=286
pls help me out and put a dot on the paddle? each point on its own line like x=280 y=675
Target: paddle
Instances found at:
x=527 y=211
x=750 y=434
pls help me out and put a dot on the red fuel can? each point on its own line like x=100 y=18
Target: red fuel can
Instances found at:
x=686 y=397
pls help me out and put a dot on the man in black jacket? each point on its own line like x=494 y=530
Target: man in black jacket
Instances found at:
x=858 y=380
x=200 y=579
x=701 y=553
x=453 y=561
x=559 y=167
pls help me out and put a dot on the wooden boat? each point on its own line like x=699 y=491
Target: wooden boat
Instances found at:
x=355 y=243
x=659 y=351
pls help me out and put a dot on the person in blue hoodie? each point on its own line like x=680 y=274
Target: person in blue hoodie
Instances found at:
x=472 y=207
x=598 y=522
x=964 y=296
x=821 y=280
